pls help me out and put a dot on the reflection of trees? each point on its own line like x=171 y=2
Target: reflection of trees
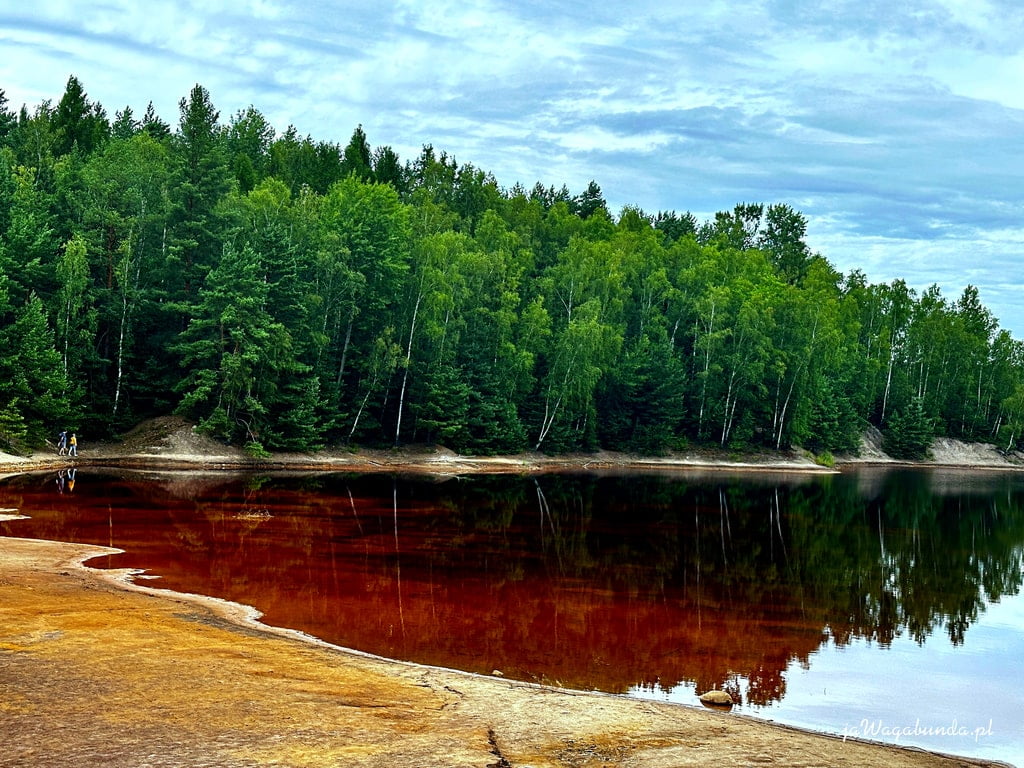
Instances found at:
x=605 y=582
x=908 y=560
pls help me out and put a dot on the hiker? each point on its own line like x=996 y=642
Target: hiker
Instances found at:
x=62 y=442
x=73 y=446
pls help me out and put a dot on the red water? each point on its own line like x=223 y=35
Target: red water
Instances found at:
x=402 y=574
x=809 y=600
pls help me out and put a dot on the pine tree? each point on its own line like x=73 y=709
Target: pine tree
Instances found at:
x=32 y=383
x=240 y=359
x=909 y=433
x=8 y=120
x=201 y=181
x=356 y=157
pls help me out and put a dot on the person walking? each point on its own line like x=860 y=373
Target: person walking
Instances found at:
x=62 y=442
x=73 y=445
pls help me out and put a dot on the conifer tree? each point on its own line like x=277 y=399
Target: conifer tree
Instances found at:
x=32 y=385
x=909 y=433
x=356 y=159
x=237 y=355
x=201 y=180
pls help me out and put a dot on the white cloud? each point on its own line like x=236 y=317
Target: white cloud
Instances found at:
x=595 y=139
x=894 y=128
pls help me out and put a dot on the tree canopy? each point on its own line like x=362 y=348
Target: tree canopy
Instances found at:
x=287 y=292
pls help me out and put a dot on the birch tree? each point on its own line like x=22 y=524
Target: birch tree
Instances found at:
x=73 y=279
x=124 y=214
x=364 y=257
x=585 y=294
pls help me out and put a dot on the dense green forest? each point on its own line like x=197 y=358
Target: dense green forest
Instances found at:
x=288 y=293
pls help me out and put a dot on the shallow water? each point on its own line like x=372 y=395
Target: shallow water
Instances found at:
x=877 y=604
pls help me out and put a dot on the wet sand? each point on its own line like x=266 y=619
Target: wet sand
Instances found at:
x=97 y=670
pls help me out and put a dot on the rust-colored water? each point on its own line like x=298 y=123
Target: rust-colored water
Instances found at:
x=625 y=583
x=541 y=587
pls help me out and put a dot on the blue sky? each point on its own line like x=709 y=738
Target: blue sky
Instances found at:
x=896 y=128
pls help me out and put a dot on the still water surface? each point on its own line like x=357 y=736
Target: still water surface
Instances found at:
x=880 y=604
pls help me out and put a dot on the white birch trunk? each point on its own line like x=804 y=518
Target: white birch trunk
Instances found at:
x=888 y=382
x=408 y=363
x=707 y=367
x=551 y=412
x=344 y=347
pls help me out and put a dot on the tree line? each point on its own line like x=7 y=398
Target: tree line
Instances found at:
x=287 y=293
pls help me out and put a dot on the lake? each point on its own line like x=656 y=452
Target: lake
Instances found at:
x=882 y=604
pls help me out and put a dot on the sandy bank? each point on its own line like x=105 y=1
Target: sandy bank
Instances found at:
x=95 y=673
x=172 y=443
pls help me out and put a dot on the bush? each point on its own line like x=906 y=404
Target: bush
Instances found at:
x=825 y=459
x=255 y=450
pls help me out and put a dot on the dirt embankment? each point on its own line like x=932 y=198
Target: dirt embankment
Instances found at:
x=171 y=442
x=945 y=452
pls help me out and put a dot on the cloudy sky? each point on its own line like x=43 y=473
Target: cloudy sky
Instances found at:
x=896 y=127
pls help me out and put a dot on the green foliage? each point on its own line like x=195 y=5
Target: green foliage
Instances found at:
x=249 y=138
x=78 y=124
x=355 y=158
x=28 y=240
x=642 y=401
x=13 y=430
x=33 y=389
x=8 y=120
x=825 y=459
x=255 y=450
x=237 y=355
x=200 y=181
x=285 y=293
x=442 y=411
x=909 y=433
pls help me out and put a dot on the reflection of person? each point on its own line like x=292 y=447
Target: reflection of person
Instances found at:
x=60 y=481
x=71 y=479
x=62 y=442
x=73 y=445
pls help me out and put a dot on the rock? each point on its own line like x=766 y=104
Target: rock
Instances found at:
x=717 y=698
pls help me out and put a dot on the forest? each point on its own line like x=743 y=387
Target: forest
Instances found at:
x=287 y=293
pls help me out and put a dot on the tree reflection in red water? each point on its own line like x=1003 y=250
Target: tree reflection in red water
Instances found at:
x=596 y=583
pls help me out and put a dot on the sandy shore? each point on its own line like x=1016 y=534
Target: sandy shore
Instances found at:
x=171 y=443
x=95 y=670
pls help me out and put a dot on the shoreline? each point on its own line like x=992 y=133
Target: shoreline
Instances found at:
x=163 y=678
x=171 y=443
x=446 y=463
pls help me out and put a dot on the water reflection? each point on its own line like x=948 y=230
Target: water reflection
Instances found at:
x=65 y=480
x=612 y=583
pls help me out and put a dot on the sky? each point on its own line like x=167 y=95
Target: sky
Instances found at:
x=896 y=128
